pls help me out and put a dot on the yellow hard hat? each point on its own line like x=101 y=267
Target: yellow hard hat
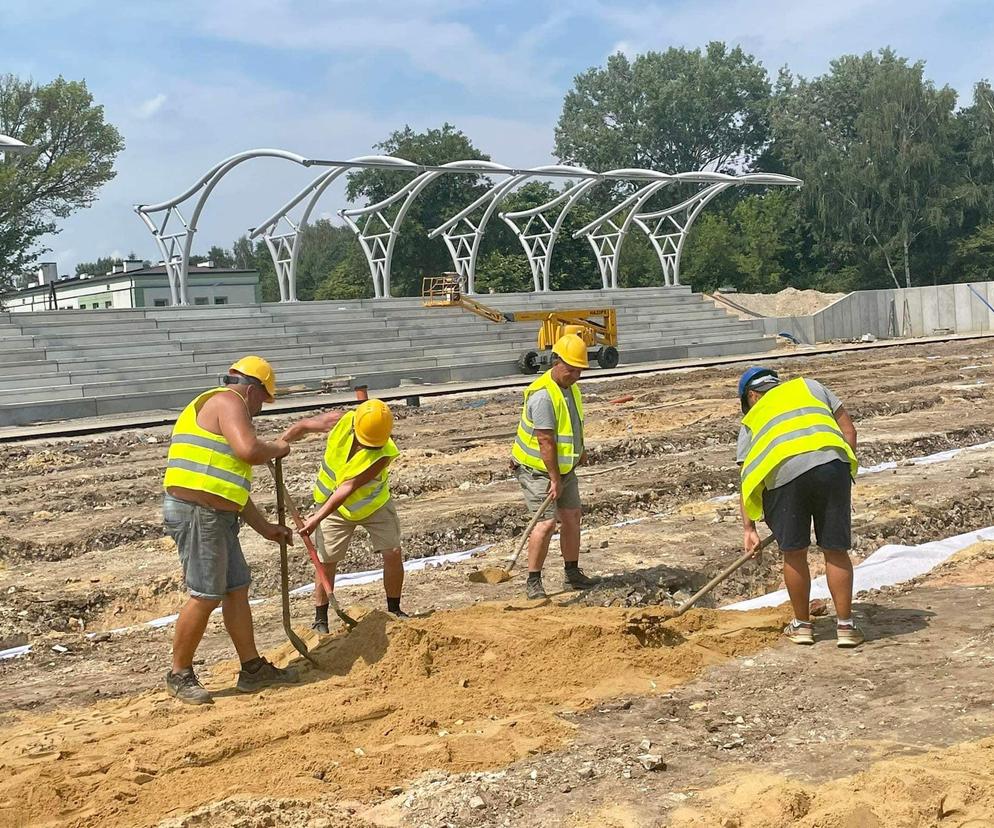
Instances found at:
x=373 y=423
x=257 y=368
x=572 y=350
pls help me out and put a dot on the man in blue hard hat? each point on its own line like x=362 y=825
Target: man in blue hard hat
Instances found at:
x=797 y=450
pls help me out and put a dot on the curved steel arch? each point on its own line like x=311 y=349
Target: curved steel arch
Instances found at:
x=378 y=234
x=667 y=229
x=463 y=237
x=284 y=248
x=175 y=246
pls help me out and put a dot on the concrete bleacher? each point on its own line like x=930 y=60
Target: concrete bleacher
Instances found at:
x=60 y=365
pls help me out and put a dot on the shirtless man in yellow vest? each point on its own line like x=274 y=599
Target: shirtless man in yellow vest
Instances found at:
x=797 y=449
x=352 y=489
x=207 y=483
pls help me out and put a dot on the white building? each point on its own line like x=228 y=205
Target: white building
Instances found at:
x=132 y=286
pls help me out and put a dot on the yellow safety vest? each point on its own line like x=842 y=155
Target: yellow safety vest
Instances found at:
x=788 y=420
x=203 y=461
x=337 y=467
x=526 y=450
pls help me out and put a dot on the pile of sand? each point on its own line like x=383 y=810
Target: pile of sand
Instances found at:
x=462 y=690
x=788 y=302
x=952 y=787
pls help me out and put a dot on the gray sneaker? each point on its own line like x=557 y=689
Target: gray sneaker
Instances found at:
x=320 y=627
x=267 y=675
x=575 y=579
x=186 y=687
x=534 y=589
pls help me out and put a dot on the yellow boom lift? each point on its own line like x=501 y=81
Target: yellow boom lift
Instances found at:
x=598 y=327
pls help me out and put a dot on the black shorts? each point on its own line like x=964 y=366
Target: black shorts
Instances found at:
x=823 y=495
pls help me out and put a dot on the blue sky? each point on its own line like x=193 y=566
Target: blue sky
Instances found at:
x=189 y=83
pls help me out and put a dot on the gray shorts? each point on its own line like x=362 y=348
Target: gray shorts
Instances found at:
x=207 y=540
x=535 y=487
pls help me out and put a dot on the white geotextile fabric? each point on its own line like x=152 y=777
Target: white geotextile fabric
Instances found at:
x=890 y=564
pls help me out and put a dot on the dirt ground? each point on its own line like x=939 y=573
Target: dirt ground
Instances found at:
x=587 y=710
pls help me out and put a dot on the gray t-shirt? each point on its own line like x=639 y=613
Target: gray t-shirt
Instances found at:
x=794 y=467
x=543 y=415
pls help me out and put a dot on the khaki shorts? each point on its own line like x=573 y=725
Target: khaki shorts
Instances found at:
x=536 y=488
x=334 y=535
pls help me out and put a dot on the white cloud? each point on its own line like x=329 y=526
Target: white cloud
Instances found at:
x=148 y=108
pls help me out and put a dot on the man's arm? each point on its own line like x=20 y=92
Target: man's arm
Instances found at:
x=550 y=456
x=847 y=427
x=270 y=531
x=342 y=493
x=320 y=424
x=750 y=533
x=236 y=426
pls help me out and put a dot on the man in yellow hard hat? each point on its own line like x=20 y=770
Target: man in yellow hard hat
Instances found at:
x=207 y=482
x=547 y=449
x=352 y=489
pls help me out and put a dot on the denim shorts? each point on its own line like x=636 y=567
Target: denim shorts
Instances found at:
x=207 y=540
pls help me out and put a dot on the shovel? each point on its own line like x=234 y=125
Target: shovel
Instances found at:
x=294 y=639
x=496 y=574
x=717 y=579
x=319 y=573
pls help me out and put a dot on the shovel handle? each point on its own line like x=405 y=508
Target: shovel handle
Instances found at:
x=293 y=638
x=528 y=530
x=312 y=551
x=717 y=579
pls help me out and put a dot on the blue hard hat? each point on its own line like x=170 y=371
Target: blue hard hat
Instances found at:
x=749 y=376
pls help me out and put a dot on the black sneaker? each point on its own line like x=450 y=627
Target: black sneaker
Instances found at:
x=321 y=627
x=575 y=579
x=534 y=589
x=267 y=675
x=186 y=687
x=399 y=614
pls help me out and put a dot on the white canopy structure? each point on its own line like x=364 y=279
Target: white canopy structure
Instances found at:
x=378 y=225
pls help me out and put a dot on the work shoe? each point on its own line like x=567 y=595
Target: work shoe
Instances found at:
x=321 y=627
x=848 y=636
x=186 y=687
x=399 y=614
x=534 y=589
x=800 y=632
x=575 y=579
x=267 y=675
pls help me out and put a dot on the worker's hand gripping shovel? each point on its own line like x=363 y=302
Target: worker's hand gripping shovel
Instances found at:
x=312 y=551
x=294 y=639
x=717 y=579
x=496 y=574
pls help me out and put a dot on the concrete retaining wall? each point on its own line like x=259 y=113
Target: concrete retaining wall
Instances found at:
x=906 y=312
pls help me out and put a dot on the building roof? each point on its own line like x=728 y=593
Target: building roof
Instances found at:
x=156 y=272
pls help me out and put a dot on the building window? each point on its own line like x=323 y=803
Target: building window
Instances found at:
x=200 y=300
x=220 y=300
x=107 y=304
x=161 y=303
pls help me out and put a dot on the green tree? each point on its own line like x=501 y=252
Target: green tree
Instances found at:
x=72 y=156
x=973 y=256
x=873 y=141
x=415 y=255
x=324 y=247
x=671 y=111
x=105 y=264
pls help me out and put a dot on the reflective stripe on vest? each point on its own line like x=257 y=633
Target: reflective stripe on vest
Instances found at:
x=787 y=421
x=337 y=467
x=203 y=461
x=526 y=449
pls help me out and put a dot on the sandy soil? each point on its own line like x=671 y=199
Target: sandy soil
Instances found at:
x=788 y=302
x=487 y=711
